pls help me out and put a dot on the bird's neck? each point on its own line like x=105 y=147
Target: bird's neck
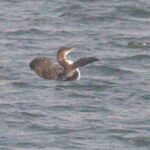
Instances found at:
x=64 y=61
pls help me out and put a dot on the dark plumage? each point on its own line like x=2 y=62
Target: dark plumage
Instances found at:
x=67 y=70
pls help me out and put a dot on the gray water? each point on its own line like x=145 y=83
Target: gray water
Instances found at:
x=109 y=108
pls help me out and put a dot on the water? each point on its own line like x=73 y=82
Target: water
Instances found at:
x=109 y=108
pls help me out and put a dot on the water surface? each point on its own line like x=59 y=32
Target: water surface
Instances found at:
x=109 y=108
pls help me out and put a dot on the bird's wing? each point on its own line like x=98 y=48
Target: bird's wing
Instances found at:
x=83 y=61
x=79 y=63
x=44 y=67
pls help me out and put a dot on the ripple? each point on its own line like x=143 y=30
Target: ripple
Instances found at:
x=81 y=95
x=146 y=97
x=140 y=12
x=4 y=82
x=32 y=114
x=51 y=129
x=109 y=70
x=133 y=44
x=11 y=1
x=138 y=141
x=28 y=144
x=142 y=141
x=122 y=131
x=134 y=11
x=31 y=31
x=20 y=84
x=136 y=57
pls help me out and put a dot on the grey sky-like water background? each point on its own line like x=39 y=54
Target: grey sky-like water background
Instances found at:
x=109 y=108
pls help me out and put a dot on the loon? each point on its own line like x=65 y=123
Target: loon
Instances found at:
x=66 y=70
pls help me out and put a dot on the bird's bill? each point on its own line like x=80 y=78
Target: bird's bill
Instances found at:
x=71 y=49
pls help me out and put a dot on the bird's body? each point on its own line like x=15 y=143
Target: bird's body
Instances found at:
x=66 y=70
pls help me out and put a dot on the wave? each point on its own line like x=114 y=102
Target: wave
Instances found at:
x=133 y=44
x=134 y=11
x=112 y=70
x=134 y=57
x=26 y=31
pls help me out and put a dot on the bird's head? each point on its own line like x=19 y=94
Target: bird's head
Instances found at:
x=62 y=55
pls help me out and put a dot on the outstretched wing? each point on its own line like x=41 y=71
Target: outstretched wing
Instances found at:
x=79 y=63
x=83 y=61
x=44 y=67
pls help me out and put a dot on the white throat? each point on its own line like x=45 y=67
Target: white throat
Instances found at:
x=69 y=62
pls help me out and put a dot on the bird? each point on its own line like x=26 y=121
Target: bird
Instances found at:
x=65 y=70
